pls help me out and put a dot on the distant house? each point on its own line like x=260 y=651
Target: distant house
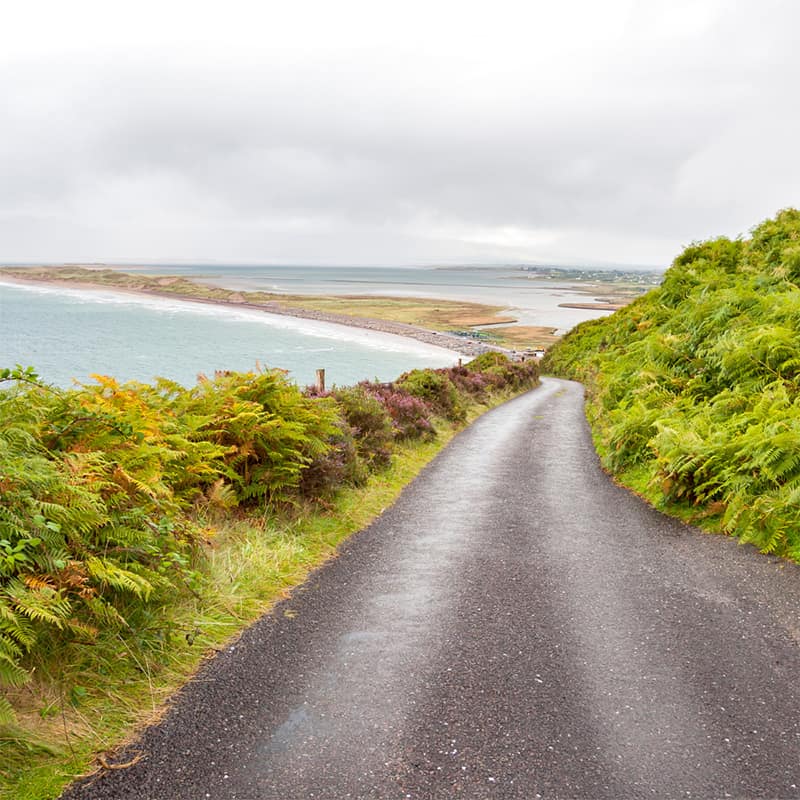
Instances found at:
x=536 y=352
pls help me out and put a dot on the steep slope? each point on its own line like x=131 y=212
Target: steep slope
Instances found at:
x=694 y=389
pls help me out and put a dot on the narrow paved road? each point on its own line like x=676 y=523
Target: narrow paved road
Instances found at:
x=516 y=626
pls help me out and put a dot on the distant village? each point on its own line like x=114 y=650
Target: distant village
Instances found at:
x=643 y=277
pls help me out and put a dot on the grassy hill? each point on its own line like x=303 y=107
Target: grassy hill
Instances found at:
x=693 y=390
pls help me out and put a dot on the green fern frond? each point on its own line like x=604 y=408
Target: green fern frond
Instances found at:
x=112 y=575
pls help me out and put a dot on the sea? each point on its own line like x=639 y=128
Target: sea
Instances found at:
x=69 y=334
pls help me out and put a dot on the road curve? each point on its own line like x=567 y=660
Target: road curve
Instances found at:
x=515 y=626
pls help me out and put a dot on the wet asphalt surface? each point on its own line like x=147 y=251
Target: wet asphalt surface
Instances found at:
x=516 y=626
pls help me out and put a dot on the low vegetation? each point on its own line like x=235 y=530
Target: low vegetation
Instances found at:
x=141 y=524
x=694 y=389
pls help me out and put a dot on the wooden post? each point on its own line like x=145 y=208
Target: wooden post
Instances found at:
x=320 y=380
x=459 y=362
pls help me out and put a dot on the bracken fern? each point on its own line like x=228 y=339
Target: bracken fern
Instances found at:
x=699 y=381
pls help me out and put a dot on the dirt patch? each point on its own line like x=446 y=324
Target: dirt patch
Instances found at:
x=525 y=337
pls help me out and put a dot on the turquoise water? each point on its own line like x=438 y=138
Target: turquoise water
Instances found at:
x=69 y=334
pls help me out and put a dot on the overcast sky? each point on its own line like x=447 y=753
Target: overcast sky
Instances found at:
x=393 y=132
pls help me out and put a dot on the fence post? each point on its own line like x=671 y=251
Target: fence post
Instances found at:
x=320 y=380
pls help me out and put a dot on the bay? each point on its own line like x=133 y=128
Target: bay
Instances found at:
x=530 y=299
x=68 y=334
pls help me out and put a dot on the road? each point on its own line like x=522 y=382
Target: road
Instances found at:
x=515 y=626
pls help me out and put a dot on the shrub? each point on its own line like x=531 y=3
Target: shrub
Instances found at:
x=269 y=429
x=96 y=483
x=370 y=423
x=410 y=416
x=474 y=384
x=499 y=370
x=488 y=359
x=87 y=535
x=104 y=486
x=697 y=384
x=340 y=465
x=434 y=388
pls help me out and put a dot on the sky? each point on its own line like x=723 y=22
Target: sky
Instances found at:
x=371 y=133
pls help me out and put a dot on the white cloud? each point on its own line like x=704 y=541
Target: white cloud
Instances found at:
x=367 y=132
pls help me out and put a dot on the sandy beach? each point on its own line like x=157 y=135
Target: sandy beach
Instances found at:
x=457 y=344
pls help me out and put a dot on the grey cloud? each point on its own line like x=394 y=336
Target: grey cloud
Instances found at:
x=345 y=158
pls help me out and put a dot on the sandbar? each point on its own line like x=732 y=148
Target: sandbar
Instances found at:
x=459 y=345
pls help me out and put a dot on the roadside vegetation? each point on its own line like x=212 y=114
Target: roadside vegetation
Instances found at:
x=693 y=390
x=144 y=525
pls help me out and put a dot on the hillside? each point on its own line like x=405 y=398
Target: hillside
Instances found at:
x=693 y=390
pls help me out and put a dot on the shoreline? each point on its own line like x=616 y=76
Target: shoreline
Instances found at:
x=593 y=306
x=456 y=344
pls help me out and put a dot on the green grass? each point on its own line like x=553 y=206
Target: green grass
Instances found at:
x=85 y=700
